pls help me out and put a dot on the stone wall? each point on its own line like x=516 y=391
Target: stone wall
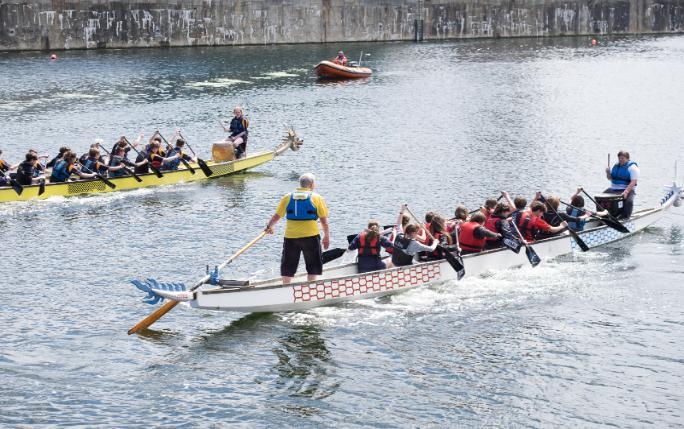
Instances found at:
x=79 y=24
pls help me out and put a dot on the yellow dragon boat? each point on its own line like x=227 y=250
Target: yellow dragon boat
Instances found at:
x=182 y=175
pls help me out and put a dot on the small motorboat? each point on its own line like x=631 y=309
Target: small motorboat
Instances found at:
x=330 y=70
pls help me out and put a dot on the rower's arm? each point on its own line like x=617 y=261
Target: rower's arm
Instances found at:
x=326 y=232
x=271 y=223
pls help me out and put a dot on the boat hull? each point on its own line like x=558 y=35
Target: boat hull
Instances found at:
x=343 y=283
x=330 y=70
x=183 y=175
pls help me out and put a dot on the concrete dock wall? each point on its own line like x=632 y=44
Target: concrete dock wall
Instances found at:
x=89 y=24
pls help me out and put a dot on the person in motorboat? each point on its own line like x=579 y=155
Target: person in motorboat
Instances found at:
x=65 y=167
x=550 y=217
x=340 y=59
x=302 y=209
x=623 y=181
x=239 y=132
x=177 y=150
x=531 y=223
x=369 y=243
x=151 y=156
x=406 y=245
x=473 y=235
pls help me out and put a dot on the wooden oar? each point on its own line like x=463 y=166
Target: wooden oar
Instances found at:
x=152 y=167
x=18 y=188
x=606 y=220
x=99 y=177
x=203 y=165
x=180 y=154
x=582 y=245
x=456 y=262
x=125 y=168
x=529 y=251
x=610 y=216
x=149 y=320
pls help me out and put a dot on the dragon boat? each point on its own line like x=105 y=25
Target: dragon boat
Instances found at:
x=343 y=283
x=182 y=175
x=331 y=70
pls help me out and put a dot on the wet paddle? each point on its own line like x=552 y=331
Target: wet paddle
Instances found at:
x=332 y=254
x=203 y=165
x=99 y=177
x=610 y=216
x=606 y=220
x=152 y=167
x=13 y=183
x=180 y=154
x=582 y=245
x=149 y=320
x=456 y=262
x=529 y=251
x=125 y=168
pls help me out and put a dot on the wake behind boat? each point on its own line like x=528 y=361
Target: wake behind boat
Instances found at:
x=344 y=283
x=169 y=177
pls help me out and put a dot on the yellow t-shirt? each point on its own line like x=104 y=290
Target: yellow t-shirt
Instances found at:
x=302 y=228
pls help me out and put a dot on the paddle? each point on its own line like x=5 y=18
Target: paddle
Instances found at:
x=41 y=185
x=149 y=320
x=180 y=155
x=13 y=183
x=610 y=216
x=99 y=177
x=607 y=221
x=332 y=254
x=125 y=168
x=203 y=165
x=582 y=245
x=529 y=251
x=152 y=167
x=456 y=262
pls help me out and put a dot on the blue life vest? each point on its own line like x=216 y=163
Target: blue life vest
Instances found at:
x=90 y=165
x=175 y=163
x=619 y=175
x=300 y=207
x=575 y=226
x=60 y=173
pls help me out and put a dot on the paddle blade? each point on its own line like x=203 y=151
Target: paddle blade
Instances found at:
x=149 y=320
x=41 y=186
x=188 y=166
x=351 y=238
x=614 y=224
x=582 y=245
x=17 y=187
x=332 y=254
x=106 y=181
x=532 y=256
x=132 y=173
x=204 y=167
x=512 y=244
x=157 y=172
x=456 y=263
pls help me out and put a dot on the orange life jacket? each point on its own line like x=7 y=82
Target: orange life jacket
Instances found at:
x=467 y=239
x=368 y=247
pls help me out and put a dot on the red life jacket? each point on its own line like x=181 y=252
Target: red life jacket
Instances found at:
x=525 y=227
x=467 y=239
x=368 y=247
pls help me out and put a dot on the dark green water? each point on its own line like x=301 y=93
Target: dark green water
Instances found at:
x=586 y=341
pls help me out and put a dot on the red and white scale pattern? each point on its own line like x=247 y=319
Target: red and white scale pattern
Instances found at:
x=366 y=284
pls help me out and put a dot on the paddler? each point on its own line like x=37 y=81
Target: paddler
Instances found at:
x=531 y=223
x=302 y=208
x=177 y=150
x=65 y=167
x=473 y=235
x=238 y=132
x=340 y=59
x=406 y=245
x=623 y=181
x=550 y=217
x=26 y=170
x=151 y=156
x=370 y=242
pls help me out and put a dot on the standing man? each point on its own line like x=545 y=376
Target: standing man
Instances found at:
x=302 y=208
x=623 y=180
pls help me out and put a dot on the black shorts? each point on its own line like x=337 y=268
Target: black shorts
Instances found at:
x=293 y=247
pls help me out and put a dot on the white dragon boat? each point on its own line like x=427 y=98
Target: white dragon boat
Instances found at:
x=343 y=283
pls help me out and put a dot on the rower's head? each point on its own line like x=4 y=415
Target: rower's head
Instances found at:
x=180 y=143
x=552 y=202
x=238 y=111
x=411 y=231
x=520 y=203
x=537 y=208
x=119 y=150
x=478 y=217
x=461 y=213
x=502 y=210
x=429 y=216
x=373 y=229
x=623 y=157
x=405 y=219
x=69 y=157
x=307 y=180
x=154 y=146
x=438 y=223
x=340 y=53
x=63 y=150
x=577 y=201
x=94 y=152
x=30 y=157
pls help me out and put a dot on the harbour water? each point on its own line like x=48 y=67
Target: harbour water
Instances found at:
x=588 y=340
